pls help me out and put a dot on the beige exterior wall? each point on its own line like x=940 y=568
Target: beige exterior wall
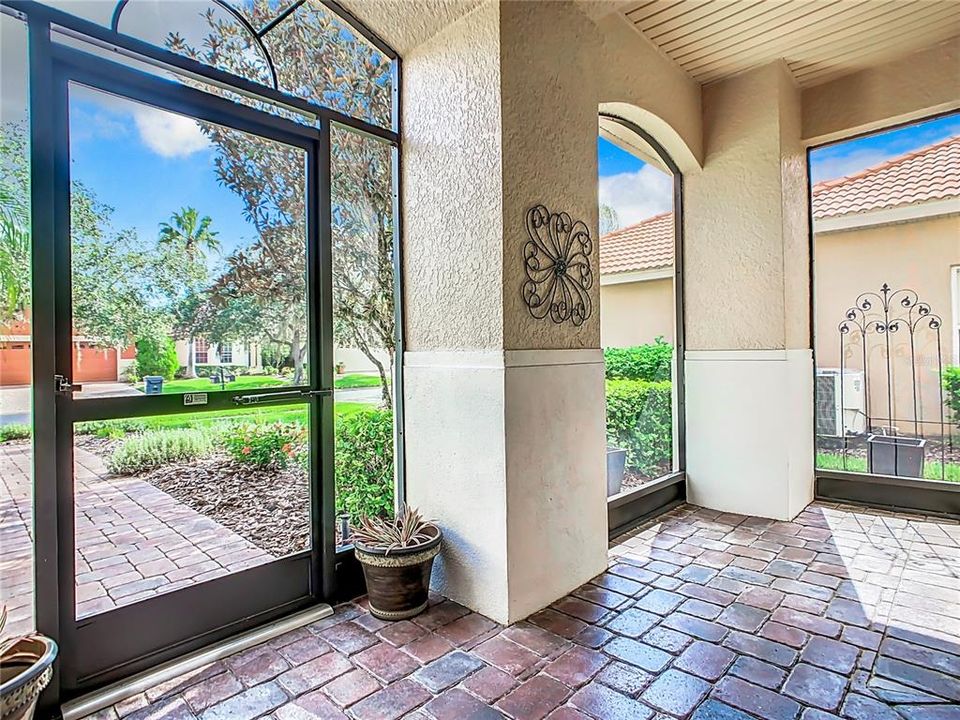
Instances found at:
x=636 y=313
x=917 y=255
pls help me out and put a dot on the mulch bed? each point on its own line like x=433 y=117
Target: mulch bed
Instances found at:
x=268 y=507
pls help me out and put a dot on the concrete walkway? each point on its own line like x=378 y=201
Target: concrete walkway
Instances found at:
x=133 y=540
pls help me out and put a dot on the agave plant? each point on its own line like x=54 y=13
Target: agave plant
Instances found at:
x=7 y=644
x=407 y=529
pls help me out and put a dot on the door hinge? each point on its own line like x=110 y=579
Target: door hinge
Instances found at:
x=62 y=385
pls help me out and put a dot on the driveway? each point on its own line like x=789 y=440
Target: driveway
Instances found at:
x=15 y=402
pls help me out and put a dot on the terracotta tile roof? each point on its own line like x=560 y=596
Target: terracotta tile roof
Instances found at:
x=647 y=245
x=930 y=173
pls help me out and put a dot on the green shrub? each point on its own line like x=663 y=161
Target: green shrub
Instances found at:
x=109 y=428
x=158 y=447
x=640 y=419
x=651 y=362
x=14 y=431
x=267 y=445
x=363 y=463
x=951 y=388
x=157 y=356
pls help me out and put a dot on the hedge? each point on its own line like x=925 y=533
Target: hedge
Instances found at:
x=951 y=389
x=363 y=463
x=640 y=419
x=651 y=362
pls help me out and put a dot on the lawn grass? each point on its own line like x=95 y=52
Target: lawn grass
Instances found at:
x=203 y=384
x=282 y=413
x=931 y=469
x=356 y=380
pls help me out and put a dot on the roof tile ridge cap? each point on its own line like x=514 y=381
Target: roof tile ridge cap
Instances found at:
x=885 y=165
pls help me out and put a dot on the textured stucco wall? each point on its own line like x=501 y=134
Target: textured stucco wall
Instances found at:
x=641 y=84
x=453 y=219
x=912 y=87
x=548 y=81
x=733 y=218
x=637 y=313
x=794 y=216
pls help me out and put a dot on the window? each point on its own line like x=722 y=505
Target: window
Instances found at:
x=201 y=351
x=226 y=353
x=640 y=323
x=887 y=309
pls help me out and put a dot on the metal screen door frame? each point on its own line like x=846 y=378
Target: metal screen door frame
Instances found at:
x=106 y=647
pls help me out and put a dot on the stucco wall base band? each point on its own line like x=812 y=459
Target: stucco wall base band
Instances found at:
x=752 y=418
x=505 y=449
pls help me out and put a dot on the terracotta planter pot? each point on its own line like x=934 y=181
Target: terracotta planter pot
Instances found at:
x=398 y=582
x=25 y=670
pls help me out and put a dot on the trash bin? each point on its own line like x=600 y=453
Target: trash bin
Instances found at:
x=153 y=384
x=895 y=455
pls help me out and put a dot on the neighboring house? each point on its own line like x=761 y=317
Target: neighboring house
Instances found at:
x=636 y=283
x=91 y=363
x=241 y=354
x=897 y=222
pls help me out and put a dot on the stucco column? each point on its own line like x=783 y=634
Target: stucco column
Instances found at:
x=504 y=413
x=748 y=363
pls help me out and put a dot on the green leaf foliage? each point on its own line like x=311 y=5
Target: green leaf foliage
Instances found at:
x=640 y=419
x=651 y=362
x=951 y=389
x=267 y=445
x=157 y=356
x=157 y=448
x=363 y=464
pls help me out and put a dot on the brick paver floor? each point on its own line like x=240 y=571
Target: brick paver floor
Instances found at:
x=842 y=613
x=133 y=540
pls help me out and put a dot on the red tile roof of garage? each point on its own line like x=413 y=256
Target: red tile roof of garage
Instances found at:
x=928 y=174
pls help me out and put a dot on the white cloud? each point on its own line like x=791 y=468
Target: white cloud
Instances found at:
x=168 y=134
x=637 y=195
x=836 y=166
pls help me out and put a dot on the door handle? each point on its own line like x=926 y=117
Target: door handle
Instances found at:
x=262 y=398
x=63 y=386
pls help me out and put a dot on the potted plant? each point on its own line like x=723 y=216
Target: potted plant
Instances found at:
x=339 y=367
x=397 y=557
x=26 y=666
x=616 y=467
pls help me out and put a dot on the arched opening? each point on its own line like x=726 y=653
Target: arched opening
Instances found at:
x=641 y=320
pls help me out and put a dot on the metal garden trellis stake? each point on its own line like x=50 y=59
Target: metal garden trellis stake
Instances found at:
x=883 y=315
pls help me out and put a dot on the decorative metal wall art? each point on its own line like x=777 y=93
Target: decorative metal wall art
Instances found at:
x=556 y=258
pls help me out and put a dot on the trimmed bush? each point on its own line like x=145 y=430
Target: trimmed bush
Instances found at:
x=640 y=419
x=267 y=445
x=14 y=431
x=156 y=448
x=157 y=356
x=951 y=389
x=651 y=362
x=363 y=463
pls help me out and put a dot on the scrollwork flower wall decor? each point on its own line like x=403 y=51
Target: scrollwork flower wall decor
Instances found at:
x=556 y=258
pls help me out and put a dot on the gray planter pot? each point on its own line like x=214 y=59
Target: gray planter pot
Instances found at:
x=895 y=455
x=616 y=464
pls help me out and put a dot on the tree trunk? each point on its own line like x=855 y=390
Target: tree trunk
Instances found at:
x=191 y=371
x=296 y=354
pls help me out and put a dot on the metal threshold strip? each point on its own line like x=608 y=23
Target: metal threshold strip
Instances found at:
x=95 y=701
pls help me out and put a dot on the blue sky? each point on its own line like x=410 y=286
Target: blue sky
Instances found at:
x=637 y=190
x=146 y=164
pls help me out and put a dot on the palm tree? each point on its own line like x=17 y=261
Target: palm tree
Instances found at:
x=190 y=233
